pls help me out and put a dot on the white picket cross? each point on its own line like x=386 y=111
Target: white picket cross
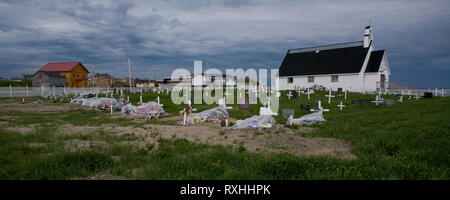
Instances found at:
x=443 y=92
x=329 y=97
x=417 y=97
x=184 y=119
x=289 y=95
x=377 y=101
x=341 y=105
x=345 y=94
x=308 y=93
x=320 y=108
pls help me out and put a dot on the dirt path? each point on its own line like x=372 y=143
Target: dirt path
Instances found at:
x=278 y=139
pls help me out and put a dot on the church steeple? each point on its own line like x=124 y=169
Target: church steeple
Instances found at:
x=367 y=36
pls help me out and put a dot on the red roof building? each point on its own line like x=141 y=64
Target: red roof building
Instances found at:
x=76 y=73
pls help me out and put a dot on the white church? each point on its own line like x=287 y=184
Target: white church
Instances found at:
x=353 y=66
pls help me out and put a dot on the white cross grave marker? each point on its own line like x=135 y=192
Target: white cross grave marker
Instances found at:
x=443 y=92
x=289 y=95
x=308 y=93
x=417 y=97
x=401 y=99
x=320 y=108
x=329 y=97
x=341 y=105
x=436 y=92
x=377 y=101
x=267 y=110
x=184 y=119
x=157 y=99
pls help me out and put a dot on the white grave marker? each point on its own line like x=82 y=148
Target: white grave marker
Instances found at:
x=417 y=97
x=377 y=101
x=320 y=108
x=341 y=106
x=329 y=97
x=289 y=95
x=443 y=92
x=308 y=93
x=267 y=110
x=157 y=99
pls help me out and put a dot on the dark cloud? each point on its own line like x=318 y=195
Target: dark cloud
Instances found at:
x=160 y=36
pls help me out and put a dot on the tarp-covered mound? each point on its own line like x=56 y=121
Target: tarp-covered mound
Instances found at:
x=307 y=119
x=96 y=102
x=217 y=113
x=144 y=109
x=256 y=121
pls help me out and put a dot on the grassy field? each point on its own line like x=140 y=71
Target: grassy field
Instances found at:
x=409 y=140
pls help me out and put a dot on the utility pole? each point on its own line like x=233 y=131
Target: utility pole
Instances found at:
x=129 y=71
x=94 y=81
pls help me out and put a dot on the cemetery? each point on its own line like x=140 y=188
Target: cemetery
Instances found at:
x=315 y=134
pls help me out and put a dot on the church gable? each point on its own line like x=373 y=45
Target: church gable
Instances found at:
x=375 y=61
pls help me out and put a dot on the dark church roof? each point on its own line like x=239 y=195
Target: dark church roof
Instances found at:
x=331 y=59
x=375 y=61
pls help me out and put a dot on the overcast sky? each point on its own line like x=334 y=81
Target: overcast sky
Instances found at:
x=160 y=36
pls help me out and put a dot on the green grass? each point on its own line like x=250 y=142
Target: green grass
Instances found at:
x=409 y=140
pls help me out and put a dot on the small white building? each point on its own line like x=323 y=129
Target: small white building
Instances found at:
x=354 y=66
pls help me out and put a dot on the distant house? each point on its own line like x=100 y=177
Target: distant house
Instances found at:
x=75 y=72
x=101 y=80
x=48 y=79
x=26 y=76
x=213 y=80
x=16 y=79
x=145 y=83
x=124 y=82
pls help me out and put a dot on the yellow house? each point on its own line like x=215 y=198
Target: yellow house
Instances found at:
x=75 y=72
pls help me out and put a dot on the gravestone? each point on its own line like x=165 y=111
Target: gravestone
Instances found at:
x=294 y=95
x=427 y=95
x=389 y=101
x=287 y=113
x=356 y=102
x=305 y=107
x=244 y=104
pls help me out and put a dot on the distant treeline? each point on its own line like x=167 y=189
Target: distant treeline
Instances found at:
x=6 y=83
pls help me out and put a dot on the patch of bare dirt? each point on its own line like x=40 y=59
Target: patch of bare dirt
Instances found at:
x=20 y=129
x=266 y=141
x=37 y=144
x=77 y=145
x=68 y=129
x=272 y=140
x=28 y=107
x=180 y=118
